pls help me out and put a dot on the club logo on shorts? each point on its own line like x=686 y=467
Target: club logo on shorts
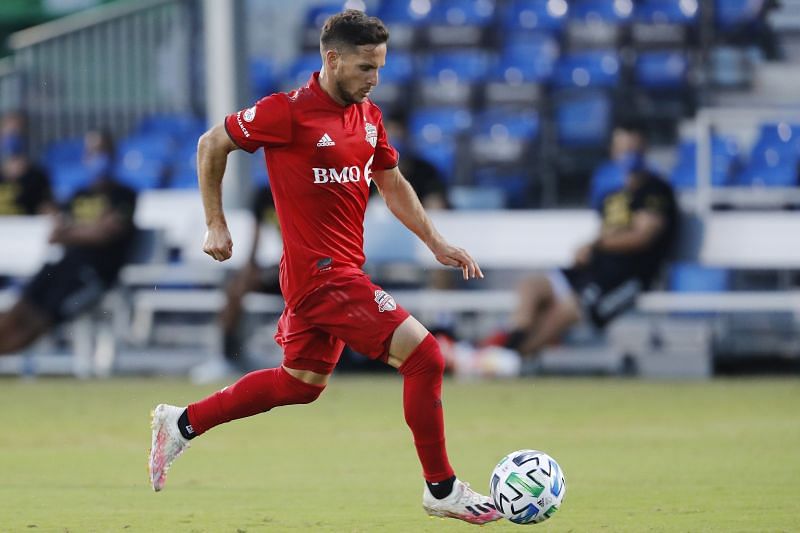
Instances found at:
x=250 y=114
x=385 y=301
x=372 y=134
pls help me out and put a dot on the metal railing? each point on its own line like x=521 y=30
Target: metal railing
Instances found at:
x=109 y=67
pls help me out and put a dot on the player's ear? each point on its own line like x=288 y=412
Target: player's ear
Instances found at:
x=331 y=58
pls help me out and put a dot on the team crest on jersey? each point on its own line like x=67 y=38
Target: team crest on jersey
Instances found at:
x=372 y=134
x=250 y=114
x=385 y=301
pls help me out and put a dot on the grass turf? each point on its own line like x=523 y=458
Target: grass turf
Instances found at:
x=638 y=456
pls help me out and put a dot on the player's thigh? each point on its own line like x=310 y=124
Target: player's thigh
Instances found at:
x=352 y=308
x=307 y=348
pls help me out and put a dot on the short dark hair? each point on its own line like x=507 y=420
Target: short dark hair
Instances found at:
x=352 y=28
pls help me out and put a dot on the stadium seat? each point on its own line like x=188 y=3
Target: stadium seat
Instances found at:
x=724 y=163
x=731 y=14
x=593 y=68
x=516 y=185
x=184 y=168
x=314 y=20
x=774 y=158
x=301 y=70
x=434 y=134
x=176 y=127
x=392 y=92
x=264 y=77
x=661 y=70
x=526 y=63
x=68 y=178
x=403 y=17
x=597 y=23
x=659 y=23
x=689 y=277
x=66 y=152
x=583 y=118
x=459 y=22
x=535 y=15
x=452 y=78
x=142 y=160
x=503 y=135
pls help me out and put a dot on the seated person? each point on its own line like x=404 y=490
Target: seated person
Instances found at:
x=639 y=225
x=24 y=187
x=96 y=230
x=250 y=278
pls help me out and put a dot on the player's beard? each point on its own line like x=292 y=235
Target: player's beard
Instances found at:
x=346 y=96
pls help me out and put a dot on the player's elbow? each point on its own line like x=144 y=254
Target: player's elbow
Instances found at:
x=215 y=141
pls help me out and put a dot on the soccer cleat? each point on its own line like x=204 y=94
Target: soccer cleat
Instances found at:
x=463 y=503
x=167 y=444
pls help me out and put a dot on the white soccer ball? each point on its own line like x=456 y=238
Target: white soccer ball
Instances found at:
x=527 y=486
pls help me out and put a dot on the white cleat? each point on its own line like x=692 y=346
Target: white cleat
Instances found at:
x=167 y=444
x=463 y=503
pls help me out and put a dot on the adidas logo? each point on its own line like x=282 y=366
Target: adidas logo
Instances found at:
x=326 y=140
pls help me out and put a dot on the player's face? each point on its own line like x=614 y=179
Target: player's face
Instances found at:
x=356 y=72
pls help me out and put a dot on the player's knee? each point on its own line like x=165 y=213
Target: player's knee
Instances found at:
x=427 y=358
x=298 y=390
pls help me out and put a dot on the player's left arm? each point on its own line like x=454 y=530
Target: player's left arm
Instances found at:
x=646 y=226
x=405 y=205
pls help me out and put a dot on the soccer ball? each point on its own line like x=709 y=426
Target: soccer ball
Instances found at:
x=527 y=486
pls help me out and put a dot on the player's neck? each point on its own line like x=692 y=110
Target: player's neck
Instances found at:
x=329 y=86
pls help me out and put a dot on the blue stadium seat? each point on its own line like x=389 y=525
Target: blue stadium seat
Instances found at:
x=504 y=135
x=264 y=77
x=177 y=127
x=462 y=13
x=142 y=160
x=583 y=118
x=317 y=14
x=434 y=132
x=392 y=92
x=689 y=277
x=593 y=11
x=184 y=168
x=724 y=163
x=729 y=14
x=68 y=178
x=775 y=157
x=661 y=70
x=535 y=15
x=607 y=178
x=593 y=68
x=404 y=12
x=514 y=185
x=683 y=12
x=452 y=78
x=66 y=152
x=301 y=69
x=530 y=60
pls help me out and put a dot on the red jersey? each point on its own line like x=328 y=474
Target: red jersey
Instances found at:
x=320 y=157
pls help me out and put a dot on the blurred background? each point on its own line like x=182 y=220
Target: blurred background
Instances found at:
x=507 y=110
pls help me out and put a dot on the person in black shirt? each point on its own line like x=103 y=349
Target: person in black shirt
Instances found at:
x=250 y=278
x=639 y=225
x=24 y=187
x=96 y=230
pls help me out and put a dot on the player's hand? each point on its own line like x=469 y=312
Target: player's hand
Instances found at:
x=457 y=257
x=218 y=243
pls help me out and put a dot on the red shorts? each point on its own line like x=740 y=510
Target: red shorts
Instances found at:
x=346 y=309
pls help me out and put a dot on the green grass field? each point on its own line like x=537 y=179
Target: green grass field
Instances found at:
x=720 y=456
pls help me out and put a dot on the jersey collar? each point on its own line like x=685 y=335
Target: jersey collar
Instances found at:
x=313 y=83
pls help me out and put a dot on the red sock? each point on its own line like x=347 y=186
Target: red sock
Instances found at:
x=254 y=393
x=422 y=404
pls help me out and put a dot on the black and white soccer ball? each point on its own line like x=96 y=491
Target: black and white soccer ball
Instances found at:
x=527 y=486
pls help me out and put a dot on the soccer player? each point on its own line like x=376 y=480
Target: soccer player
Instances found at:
x=324 y=144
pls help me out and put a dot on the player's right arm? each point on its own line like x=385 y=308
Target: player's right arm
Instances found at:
x=212 y=157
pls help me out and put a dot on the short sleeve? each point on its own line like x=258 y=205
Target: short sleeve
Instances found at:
x=268 y=123
x=385 y=155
